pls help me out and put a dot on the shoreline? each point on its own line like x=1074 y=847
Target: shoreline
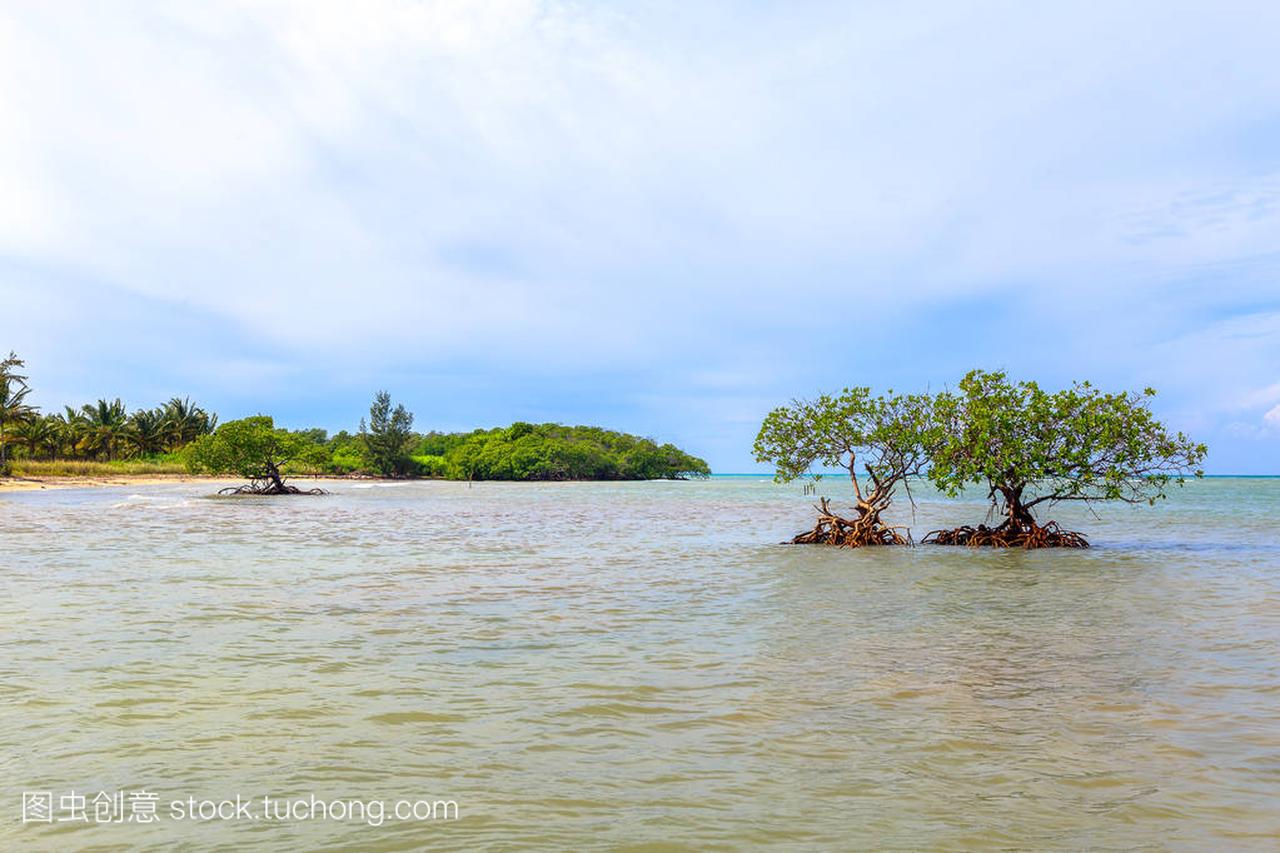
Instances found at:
x=25 y=484
x=10 y=485
x=86 y=481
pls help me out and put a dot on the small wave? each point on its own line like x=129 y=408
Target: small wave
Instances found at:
x=395 y=719
x=150 y=504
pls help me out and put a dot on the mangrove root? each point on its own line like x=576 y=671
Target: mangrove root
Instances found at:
x=268 y=487
x=1008 y=535
x=865 y=530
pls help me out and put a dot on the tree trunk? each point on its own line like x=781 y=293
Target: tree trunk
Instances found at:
x=269 y=482
x=1019 y=517
x=277 y=483
x=1018 y=530
x=864 y=529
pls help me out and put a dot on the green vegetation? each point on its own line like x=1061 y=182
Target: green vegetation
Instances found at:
x=171 y=463
x=97 y=433
x=886 y=436
x=252 y=448
x=1029 y=447
x=526 y=451
x=388 y=437
x=14 y=410
x=102 y=438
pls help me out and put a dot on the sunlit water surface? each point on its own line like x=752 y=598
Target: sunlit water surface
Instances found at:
x=585 y=666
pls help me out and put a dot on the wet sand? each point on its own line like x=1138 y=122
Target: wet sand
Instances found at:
x=21 y=484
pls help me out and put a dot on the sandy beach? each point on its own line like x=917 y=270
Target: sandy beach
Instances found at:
x=22 y=484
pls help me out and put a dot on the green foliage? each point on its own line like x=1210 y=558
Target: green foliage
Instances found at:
x=35 y=436
x=315 y=435
x=347 y=453
x=104 y=432
x=1026 y=445
x=388 y=436
x=250 y=447
x=886 y=435
x=1029 y=446
x=13 y=406
x=165 y=463
x=526 y=451
x=100 y=431
x=102 y=427
x=147 y=432
x=429 y=466
x=440 y=443
x=183 y=422
x=313 y=457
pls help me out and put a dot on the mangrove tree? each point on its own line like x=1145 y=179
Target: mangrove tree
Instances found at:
x=1032 y=449
x=252 y=448
x=884 y=437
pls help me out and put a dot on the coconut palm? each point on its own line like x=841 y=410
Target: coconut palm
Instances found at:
x=185 y=422
x=71 y=428
x=13 y=406
x=104 y=426
x=145 y=432
x=38 y=435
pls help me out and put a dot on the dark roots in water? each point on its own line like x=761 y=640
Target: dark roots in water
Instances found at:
x=1008 y=535
x=269 y=487
x=269 y=481
x=863 y=531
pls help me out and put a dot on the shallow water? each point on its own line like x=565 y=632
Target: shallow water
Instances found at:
x=583 y=666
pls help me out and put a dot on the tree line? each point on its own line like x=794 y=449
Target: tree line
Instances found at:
x=525 y=451
x=385 y=444
x=1028 y=447
x=100 y=431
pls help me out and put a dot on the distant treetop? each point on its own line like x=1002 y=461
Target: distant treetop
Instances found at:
x=525 y=451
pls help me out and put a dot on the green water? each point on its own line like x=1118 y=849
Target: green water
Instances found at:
x=639 y=666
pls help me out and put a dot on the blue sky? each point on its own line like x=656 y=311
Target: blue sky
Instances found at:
x=660 y=217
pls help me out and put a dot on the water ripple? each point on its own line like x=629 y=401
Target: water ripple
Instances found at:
x=637 y=667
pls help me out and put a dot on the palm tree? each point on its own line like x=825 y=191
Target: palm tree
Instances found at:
x=145 y=432
x=71 y=429
x=13 y=406
x=185 y=422
x=104 y=427
x=56 y=436
x=37 y=434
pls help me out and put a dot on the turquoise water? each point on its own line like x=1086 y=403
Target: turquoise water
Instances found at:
x=639 y=666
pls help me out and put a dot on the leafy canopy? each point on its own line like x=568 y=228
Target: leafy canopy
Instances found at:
x=13 y=394
x=525 y=451
x=250 y=447
x=1029 y=445
x=887 y=435
x=388 y=436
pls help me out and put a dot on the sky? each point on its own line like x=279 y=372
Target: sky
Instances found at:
x=661 y=217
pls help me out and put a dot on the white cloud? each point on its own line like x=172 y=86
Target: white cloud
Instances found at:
x=673 y=187
x=1262 y=404
x=1259 y=397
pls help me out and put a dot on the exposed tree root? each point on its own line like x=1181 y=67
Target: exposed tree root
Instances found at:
x=1026 y=535
x=269 y=482
x=269 y=486
x=865 y=530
